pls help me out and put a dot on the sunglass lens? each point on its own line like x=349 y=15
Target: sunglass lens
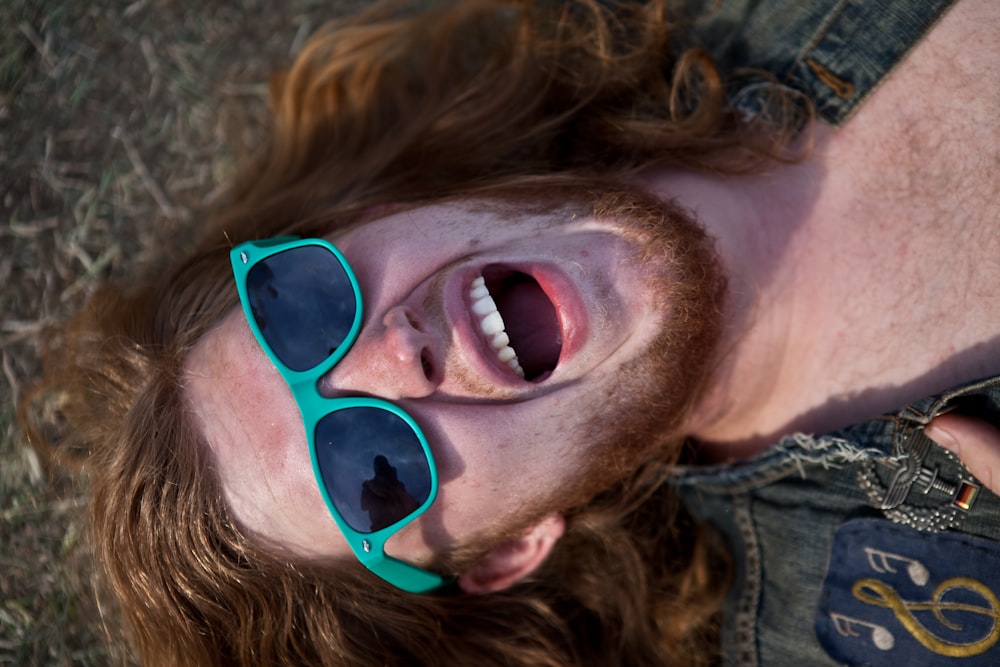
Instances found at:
x=304 y=304
x=373 y=466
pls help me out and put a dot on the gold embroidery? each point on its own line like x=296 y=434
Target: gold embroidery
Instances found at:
x=879 y=594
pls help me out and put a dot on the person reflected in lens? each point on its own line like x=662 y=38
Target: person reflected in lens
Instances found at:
x=384 y=497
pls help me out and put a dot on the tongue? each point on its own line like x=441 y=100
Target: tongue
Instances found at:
x=532 y=325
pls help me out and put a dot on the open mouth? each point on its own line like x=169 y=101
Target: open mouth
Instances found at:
x=518 y=321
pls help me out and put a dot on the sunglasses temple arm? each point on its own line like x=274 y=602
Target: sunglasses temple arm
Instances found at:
x=403 y=575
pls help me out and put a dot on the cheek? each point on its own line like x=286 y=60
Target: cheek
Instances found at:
x=287 y=508
x=491 y=444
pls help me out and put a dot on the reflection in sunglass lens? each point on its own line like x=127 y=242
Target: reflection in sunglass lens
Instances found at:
x=303 y=303
x=373 y=466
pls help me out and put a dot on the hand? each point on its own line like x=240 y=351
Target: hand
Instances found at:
x=975 y=442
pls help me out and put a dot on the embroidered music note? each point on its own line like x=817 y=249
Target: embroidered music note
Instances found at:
x=881 y=636
x=879 y=594
x=881 y=563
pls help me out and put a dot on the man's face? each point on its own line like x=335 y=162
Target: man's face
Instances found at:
x=589 y=304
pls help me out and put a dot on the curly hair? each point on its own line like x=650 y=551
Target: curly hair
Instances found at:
x=397 y=106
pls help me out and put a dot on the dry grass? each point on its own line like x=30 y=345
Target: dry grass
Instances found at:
x=116 y=120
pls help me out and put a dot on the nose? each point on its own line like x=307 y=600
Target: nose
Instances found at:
x=391 y=359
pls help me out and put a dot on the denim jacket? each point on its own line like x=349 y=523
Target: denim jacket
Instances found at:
x=833 y=51
x=868 y=546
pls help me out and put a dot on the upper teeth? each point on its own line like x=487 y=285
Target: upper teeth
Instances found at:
x=491 y=324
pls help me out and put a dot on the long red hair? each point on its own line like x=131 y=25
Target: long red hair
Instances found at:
x=396 y=106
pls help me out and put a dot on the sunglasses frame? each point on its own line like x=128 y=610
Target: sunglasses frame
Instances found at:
x=369 y=548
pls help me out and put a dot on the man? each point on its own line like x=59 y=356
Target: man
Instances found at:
x=860 y=279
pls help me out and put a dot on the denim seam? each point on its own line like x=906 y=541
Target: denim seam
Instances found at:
x=942 y=402
x=793 y=454
x=817 y=37
x=749 y=602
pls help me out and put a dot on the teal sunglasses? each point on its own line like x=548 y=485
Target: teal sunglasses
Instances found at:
x=371 y=460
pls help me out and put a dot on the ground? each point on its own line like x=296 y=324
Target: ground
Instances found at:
x=117 y=118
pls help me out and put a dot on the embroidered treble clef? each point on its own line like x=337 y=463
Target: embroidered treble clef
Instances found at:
x=879 y=594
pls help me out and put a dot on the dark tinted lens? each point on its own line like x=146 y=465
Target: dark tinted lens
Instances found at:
x=303 y=303
x=373 y=466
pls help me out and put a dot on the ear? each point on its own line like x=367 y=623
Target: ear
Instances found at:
x=514 y=559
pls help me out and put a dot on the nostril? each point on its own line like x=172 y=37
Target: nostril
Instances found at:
x=425 y=363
